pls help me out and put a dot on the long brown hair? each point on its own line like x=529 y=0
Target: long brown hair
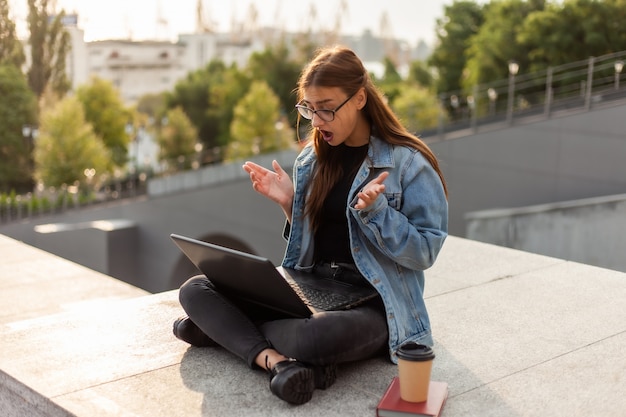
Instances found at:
x=340 y=67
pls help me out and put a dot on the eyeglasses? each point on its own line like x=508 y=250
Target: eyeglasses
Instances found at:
x=325 y=115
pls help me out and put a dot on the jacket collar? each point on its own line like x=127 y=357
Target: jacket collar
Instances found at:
x=380 y=153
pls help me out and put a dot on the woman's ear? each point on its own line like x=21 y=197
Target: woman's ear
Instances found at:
x=361 y=98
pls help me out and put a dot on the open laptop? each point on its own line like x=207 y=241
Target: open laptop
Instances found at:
x=257 y=280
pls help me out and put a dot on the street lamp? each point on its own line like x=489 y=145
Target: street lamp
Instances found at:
x=454 y=102
x=135 y=135
x=30 y=133
x=89 y=173
x=471 y=104
x=619 y=66
x=198 y=147
x=493 y=96
x=513 y=69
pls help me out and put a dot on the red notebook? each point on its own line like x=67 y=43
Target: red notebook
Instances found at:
x=391 y=405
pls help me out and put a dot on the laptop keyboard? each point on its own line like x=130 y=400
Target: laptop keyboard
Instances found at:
x=322 y=300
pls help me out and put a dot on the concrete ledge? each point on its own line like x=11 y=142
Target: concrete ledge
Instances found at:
x=34 y=283
x=589 y=231
x=107 y=246
x=516 y=334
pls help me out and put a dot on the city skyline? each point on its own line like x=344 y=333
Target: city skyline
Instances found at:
x=411 y=21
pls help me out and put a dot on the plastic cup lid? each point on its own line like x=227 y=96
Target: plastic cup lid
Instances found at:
x=412 y=351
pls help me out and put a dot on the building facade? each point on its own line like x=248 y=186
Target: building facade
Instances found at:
x=136 y=68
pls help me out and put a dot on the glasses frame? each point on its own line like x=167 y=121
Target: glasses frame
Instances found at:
x=304 y=109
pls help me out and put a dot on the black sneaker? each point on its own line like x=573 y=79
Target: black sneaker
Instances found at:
x=324 y=376
x=292 y=381
x=186 y=330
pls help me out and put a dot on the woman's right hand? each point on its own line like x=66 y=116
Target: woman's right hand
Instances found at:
x=275 y=185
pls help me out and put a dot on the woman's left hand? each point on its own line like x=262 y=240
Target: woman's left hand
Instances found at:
x=371 y=191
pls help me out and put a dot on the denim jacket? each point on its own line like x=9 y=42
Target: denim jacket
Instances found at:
x=392 y=241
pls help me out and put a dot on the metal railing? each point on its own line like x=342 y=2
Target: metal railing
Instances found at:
x=53 y=200
x=576 y=86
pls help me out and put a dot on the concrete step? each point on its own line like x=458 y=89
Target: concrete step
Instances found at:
x=516 y=334
x=35 y=283
x=121 y=359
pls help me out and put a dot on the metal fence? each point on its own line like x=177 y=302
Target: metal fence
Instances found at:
x=576 y=86
x=59 y=200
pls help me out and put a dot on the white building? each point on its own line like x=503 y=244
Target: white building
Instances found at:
x=202 y=48
x=136 y=68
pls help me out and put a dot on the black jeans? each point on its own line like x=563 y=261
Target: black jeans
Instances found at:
x=246 y=329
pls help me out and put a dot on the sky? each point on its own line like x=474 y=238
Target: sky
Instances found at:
x=410 y=20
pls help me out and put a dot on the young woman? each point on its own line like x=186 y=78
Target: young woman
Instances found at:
x=367 y=205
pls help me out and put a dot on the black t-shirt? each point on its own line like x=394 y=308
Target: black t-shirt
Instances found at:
x=332 y=242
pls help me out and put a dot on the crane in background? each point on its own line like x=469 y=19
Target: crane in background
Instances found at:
x=203 y=23
x=389 y=44
x=280 y=26
x=247 y=29
x=162 y=25
x=312 y=26
x=333 y=35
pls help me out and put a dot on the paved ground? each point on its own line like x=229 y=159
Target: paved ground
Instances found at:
x=516 y=334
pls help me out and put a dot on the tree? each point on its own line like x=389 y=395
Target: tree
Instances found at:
x=227 y=88
x=254 y=128
x=177 y=139
x=417 y=107
x=461 y=21
x=50 y=44
x=153 y=106
x=573 y=31
x=105 y=111
x=496 y=42
x=208 y=96
x=281 y=73
x=391 y=82
x=18 y=108
x=67 y=146
x=11 y=51
x=420 y=73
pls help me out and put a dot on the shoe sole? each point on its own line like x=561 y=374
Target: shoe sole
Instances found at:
x=298 y=389
x=191 y=337
x=325 y=376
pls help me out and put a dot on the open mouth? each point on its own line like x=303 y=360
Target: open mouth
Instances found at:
x=328 y=136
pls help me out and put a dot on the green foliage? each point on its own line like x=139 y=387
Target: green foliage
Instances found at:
x=417 y=108
x=412 y=100
x=391 y=74
x=573 y=31
x=50 y=44
x=67 y=146
x=11 y=51
x=18 y=108
x=461 y=21
x=227 y=88
x=193 y=95
x=496 y=44
x=152 y=105
x=476 y=43
x=281 y=73
x=420 y=74
x=107 y=115
x=177 y=139
x=254 y=127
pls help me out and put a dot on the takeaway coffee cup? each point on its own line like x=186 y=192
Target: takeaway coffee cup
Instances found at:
x=415 y=362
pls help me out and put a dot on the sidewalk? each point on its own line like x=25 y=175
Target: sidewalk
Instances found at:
x=516 y=334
